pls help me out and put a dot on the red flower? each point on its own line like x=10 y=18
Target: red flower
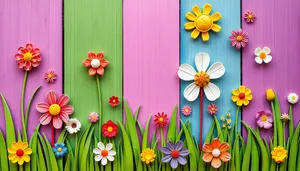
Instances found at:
x=28 y=57
x=161 y=119
x=212 y=109
x=114 y=101
x=109 y=129
x=96 y=62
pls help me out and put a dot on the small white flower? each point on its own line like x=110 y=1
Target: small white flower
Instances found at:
x=73 y=125
x=293 y=98
x=263 y=55
x=285 y=117
x=104 y=153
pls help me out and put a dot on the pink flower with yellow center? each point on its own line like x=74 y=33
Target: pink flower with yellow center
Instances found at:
x=264 y=119
x=239 y=38
x=50 y=76
x=186 y=110
x=249 y=17
x=28 y=57
x=212 y=109
x=93 y=117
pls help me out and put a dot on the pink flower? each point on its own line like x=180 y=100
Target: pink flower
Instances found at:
x=50 y=76
x=186 y=110
x=212 y=109
x=93 y=117
x=56 y=110
x=239 y=38
x=28 y=57
x=249 y=17
x=264 y=119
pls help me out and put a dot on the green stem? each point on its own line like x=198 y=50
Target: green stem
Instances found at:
x=291 y=122
x=161 y=136
x=100 y=105
x=275 y=125
x=236 y=119
x=22 y=106
x=284 y=143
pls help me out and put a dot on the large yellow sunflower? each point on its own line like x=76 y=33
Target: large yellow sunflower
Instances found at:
x=202 y=22
x=242 y=96
x=19 y=152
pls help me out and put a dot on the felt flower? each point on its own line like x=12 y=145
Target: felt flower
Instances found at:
x=264 y=119
x=114 y=101
x=263 y=55
x=161 y=119
x=279 y=154
x=19 y=152
x=109 y=129
x=216 y=152
x=201 y=79
x=57 y=110
x=148 y=156
x=293 y=98
x=60 y=150
x=28 y=57
x=212 y=109
x=96 y=63
x=104 y=153
x=249 y=17
x=186 y=110
x=285 y=117
x=239 y=38
x=242 y=96
x=174 y=153
x=50 y=76
x=202 y=22
x=270 y=95
x=93 y=117
x=73 y=125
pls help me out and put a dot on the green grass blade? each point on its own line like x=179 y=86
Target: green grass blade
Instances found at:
x=29 y=104
x=137 y=113
x=293 y=148
x=254 y=156
x=219 y=130
x=68 y=163
x=291 y=122
x=85 y=149
x=52 y=157
x=247 y=154
x=172 y=131
x=3 y=154
x=145 y=135
x=128 y=155
x=278 y=122
x=45 y=150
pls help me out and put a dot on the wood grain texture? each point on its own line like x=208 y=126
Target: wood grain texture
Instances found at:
x=94 y=25
x=219 y=49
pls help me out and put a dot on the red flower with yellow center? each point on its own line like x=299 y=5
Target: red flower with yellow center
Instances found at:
x=114 y=101
x=19 y=152
x=28 y=57
x=109 y=129
x=161 y=119
x=97 y=63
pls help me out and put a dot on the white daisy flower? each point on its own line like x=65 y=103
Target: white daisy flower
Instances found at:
x=263 y=55
x=73 y=125
x=201 y=79
x=293 y=98
x=104 y=153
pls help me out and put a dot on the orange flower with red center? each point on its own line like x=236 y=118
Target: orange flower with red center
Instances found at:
x=109 y=129
x=28 y=57
x=114 y=101
x=97 y=63
x=161 y=119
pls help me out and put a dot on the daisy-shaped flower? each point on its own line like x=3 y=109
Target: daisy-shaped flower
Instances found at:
x=114 y=101
x=57 y=110
x=19 y=152
x=161 y=119
x=249 y=17
x=174 y=153
x=263 y=55
x=73 y=125
x=202 y=22
x=212 y=109
x=96 y=63
x=201 y=79
x=285 y=117
x=242 y=96
x=264 y=119
x=60 y=150
x=50 y=76
x=109 y=129
x=28 y=57
x=292 y=98
x=239 y=38
x=148 y=156
x=279 y=154
x=186 y=110
x=104 y=153
x=93 y=117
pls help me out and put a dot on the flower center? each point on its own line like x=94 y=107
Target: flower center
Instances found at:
x=148 y=157
x=216 y=152
x=262 y=55
x=59 y=149
x=242 y=95
x=95 y=63
x=201 y=79
x=104 y=153
x=212 y=109
x=161 y=119
x=93 y=117
x=250 y=16
x=54 y=109
x=114 y=100
x=74 y=125
x=110 y=129
x=19 y=152
x=175 y=154
x=49 y=75
x=293 y=98
x=264 y=118
x=186 y=110
x=28 y=56
x=204 y=23
x=239 y=38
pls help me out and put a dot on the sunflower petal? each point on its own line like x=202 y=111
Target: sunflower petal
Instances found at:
x=216 y=28
x=207 y=8
x=189 y=25
x=216 y=16
x=195 y=33
x=205 y=36
x=196 y=9
x=190 y=16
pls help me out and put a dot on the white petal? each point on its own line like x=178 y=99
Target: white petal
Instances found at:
x=191 y=92
x=258 y=60
x=257 y=51
x=268 y=59
x=104 y=161
x=101 y=145
x=267 y=50
x=98 y=158
x=202 y=61
x=109 y=146
x=215 y=71
x=97 y=151
x=186 y=72
x=112 y=153
x=110 y=158
x=212 y=92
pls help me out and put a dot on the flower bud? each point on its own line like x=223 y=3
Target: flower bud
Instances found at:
x=270 y=95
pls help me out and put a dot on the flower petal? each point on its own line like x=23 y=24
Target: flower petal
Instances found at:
x=96 y=151
x=182 y=160
x=64 y=117
x=267 y=50
x=186 y=72
x=224 y=147
x=179 y=145
x=207 y=8
x=104 y=161
x=267 y=125
x=100 y=55
x=112 y=153
x=207 y=148
x=57 y=122
x=249 y=97
x=110 y=158
x=166 y=159
x=195 y=33
x=109 y=146
x=42 y=107
x=216 y=162
x=225 y=156
x=68 y=109
x=100 y=71
x=202 y=61
x=165 y=150
x=26 y=158
x=268 y=59
x=190 y=16
x=189 y=25
x=101 y=145
x=245 y=102
x=86 y=62
x=242 y=89
x=212 y=92
x=205 y=36
x=216 y=28
x=28 y=151
x=92 y=71
x=258 y=60
x=21 y=161
x=12 y=150
x=215 y=71
x=215 y=143
x=45 y=119
x=236 y=92
x=216 y=16
x=170 y=145
x=98 y=158
x=191 y=92
x=257 y=51
x=51 y=96
x=91 y=55
x=184 y=152
x=63 y=100
x=174 y=163
x=104 y=63
x=196 y=9
x=207 y=157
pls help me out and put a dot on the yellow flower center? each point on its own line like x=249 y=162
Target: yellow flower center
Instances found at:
x=186 y=110
x=204 y=23
x=250 y=16
x=212 y=109
x=201 y=79
x=93 y=117
x=161 y=119
x=110 y=129
x=49 y=75
x=293 y=98
x=239 y=38
x=262 y=55
x=114 y=100
x=54 y=109
x=264 y=118
x=59 y=149
x=28 y=56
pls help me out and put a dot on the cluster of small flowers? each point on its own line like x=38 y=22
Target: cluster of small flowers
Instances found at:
x=226 y=121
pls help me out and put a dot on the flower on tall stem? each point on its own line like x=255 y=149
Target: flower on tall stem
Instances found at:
x=285 y=117
x=174 y=153
x=279 y=154
x=73 y=125
x=292 y=98
x=186 y=110
x=264 y=119
x=242 y=96
x=19 y=152
x=104 y=153
x=161 y=119
x=270 y=95
x=148 y=156
x=212 y=109
x=239 y=38
x=50 y=76
x=114 y=101
x=96 y=63
x=109 y=129
x=249 y=17
x=60 y=150
x=93 y=117
x=28 y=57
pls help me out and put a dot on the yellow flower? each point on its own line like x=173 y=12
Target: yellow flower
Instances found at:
x=242 y=96
x=222 y=118
x=270 y=95
x=228 y=115
x=148 y=156
x=19 y=152
x=228 y=121
x=229 y=127
x=202 y=22
x=279 y=154
x=224 y=126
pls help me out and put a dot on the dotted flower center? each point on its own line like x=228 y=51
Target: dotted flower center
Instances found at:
x=216 y=152
x=95 y=63
x=20 y=152
x=204 y=23
x=242 y=95
x=175 y=154
x=28 y=56
x=262 y=55
x=264 y=118
x=104 y=153
x=54 y=109
x=239 y=38
x=110 y=129
x=59 y=149
x=201 y=79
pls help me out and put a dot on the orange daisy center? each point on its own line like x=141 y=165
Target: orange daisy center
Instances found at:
x=187 y=110
x=114 y=100
x=161 y=119
x=239 y=38
x=262 y=55
x=110 y=129
x=264 y=118
x=212 y=108
x=204 y=23
x=104 y=153
x=242 y=95
x=54 y=109
x=250 y=16
x=19 y=152
x=28 y=56
x=201 y=79
x=49 y=75
x=175 y=154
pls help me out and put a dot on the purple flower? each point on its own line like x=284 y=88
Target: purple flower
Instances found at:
x=174 y=153
x=264 y=119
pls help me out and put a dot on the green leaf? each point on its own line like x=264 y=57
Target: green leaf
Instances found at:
x=40 y=157
x=247 y=154
x=172 y=131
x=293 y=148
x=52 y=157
x=86 y=141
x=278 y=122
x=128 y=155
x=145 y=135
x=68 y=164
x=45 y=150
x=219 y=130
x=254 y=156
x=236 y=151
x=291 y=122
x=29 y=104
x=3 y=154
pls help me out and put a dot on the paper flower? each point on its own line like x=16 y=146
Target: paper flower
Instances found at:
x=57 y=110
x=239 y=38
x=285 y=117
x=202 y=22
x=270 y=95
x=50 y=76
x=249 y=17
x=28 y=57
x=161 y=119
x=216 y=152
x=93 y=117
x=264 y=119
x=293 y=98
x=201 y=79
x=174 y=153
x=186 y=110
x=104 y=153
x=279 y=154
x=114 y=101
x=73 y=125
x=242 y=96
x=96 y=63
x=109 y=129
x=19 y=152
x=60 y=150
x=148 y=156
x=263 y=55
x=212 y=109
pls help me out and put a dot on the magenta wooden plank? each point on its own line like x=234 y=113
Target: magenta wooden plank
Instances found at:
x=40 y=23
x=277 y=27
x=151 y=56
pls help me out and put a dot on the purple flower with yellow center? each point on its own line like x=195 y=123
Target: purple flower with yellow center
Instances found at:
x=174 y=153
x=264 y=119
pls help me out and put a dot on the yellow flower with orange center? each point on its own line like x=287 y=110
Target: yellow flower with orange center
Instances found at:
x=242 y=96
x=148 y=156
x=279 y=154
x=19 y=152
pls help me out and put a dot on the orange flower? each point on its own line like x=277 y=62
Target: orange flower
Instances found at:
x=96 y=62
x=28 y=57
x=216 y=152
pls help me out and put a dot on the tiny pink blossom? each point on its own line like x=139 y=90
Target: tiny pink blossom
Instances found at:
x=50 y=76
x=212 y=109
x=186 y=110
x=239 y=38
x=249 y=17
x=264 y=119
x=93 y=117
